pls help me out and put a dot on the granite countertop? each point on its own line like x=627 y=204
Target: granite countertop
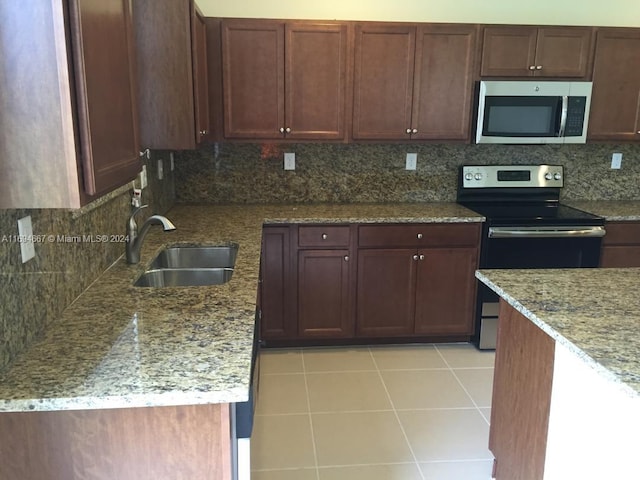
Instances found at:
x=594 y=312
x=121 y=346
x=611 y=210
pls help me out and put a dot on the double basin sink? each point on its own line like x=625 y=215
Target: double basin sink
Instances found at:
x=190 y=266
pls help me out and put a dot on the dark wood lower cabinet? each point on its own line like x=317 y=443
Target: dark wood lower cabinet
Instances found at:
x=621 y=245
x=324 y=294
x=342 y=282
x=386 y=292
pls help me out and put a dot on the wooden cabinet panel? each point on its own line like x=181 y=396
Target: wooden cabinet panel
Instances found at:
x=443 y=87
x=621 y=245
x=522 y=51
x=383 y=91
x=385 y=292
x=190 y=441
x=324 y=294
x=105 y=90
x=253 y=78
x=276 y=283
x=419 y=235
x=284 y=80
x=521 y=397
x=324 y=236
x=445 y=291
x=172 y=74
x=315 y=81
x=615 y=100
x=508 y=51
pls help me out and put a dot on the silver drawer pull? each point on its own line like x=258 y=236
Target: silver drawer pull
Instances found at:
x=419 y=236
x=325 y=236
x=346 y=258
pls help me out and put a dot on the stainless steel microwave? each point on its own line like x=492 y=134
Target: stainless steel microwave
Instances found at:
x=533 y=112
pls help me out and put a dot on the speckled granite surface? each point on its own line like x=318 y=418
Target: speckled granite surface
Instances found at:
x=613 y=211
x=593 y=312
x=122 y=346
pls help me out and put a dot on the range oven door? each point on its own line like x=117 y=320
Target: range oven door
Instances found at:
x=530 y=247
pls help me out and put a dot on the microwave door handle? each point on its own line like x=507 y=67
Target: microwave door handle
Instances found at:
x=563 y=115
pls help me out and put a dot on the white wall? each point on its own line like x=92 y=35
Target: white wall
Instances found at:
x=623 y=13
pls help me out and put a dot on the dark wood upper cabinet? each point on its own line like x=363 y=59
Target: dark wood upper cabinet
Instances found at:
x=103 y=55
x=172 y=74
x=520 y=51
x=69 y=113
x=413 y=82
x=615 y=100
x=284 y=80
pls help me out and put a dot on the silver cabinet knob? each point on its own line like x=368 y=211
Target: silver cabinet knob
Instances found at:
x=421 y=257
x=288 y=130
x=346 y=258
x=419 y=236
x=408 y=130
x=415 y=130
x=203 y=132
x=532 y=67
x=415 y=257
x=281 y=129
x=325 y=236
x=538 y=67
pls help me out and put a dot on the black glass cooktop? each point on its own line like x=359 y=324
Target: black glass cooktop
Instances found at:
x=533 y=214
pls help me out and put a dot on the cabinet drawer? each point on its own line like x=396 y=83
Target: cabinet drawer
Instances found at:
x=622 y=233
x=419 y=235
x=323 y=236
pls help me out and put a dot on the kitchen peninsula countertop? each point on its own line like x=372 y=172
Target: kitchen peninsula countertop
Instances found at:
x=119 y=346
x=595 y=313
x=611 y=210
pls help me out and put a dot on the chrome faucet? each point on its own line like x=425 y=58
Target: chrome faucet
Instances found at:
x=134 y=239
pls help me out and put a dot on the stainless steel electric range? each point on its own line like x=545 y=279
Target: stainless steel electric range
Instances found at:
x=526 y=227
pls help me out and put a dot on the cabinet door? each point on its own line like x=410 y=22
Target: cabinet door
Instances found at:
x=200 y=77
x=445 y=291
x=383 y=88
x=563 y=52
x=615 y=100
x=277 y=321
x=444 y=76
x=253 y=78
x=386 y=292
x=508 y=51
x=324 y=300
x=316 y=73
x=102 y=45
x=621 y=245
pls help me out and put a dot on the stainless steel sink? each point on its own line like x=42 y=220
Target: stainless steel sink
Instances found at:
x=184 y=277
x=190 y=266
x=196 y=257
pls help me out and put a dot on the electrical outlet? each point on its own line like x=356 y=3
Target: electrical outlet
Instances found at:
x=616 y=161
x=143 y=177
x=25 y=234
x=160 y=169
x=412 y=161
x=289 y=161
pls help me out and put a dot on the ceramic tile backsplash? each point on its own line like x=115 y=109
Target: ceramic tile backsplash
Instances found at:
x=253 y=173
x=66 y=262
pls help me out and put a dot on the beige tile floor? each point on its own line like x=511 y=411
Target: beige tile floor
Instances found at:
x=411 y=412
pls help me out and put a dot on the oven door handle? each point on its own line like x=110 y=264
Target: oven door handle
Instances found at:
x=545 y=232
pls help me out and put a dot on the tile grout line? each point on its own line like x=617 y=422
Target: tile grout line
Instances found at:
x=313 y=435
x=461 y=384
x=395 y=413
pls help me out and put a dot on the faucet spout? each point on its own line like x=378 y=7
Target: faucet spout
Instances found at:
x=135 y=238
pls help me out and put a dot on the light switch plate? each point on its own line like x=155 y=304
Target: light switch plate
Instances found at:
x=412 y=161
x=160 y=169
x=289 y=161
x=25 y=234
x=616 y=161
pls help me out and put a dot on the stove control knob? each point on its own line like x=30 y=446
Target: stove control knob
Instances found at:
x=468 y=176
x=557 y=176
x=548 y=176
x=478 y=176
